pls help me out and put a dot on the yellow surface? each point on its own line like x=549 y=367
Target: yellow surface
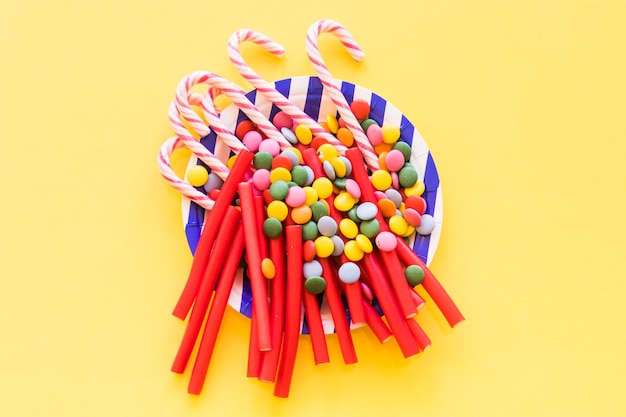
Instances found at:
x=522 y=104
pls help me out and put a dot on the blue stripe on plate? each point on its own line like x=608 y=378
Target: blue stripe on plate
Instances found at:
x=313 y=99
x=407 y=130
x=242 y=116
x=193 y=227
x=246 y=299
x=283 y=86
x=347 y=89
x=431 y=177
x=377 y=108
x=209 y=141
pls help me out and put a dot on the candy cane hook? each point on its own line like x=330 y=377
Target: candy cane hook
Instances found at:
x=266 y=88
x=330 y=84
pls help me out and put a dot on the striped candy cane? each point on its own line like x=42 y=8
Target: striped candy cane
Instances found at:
x=266 y=88
x=183 y=187
x=330 y=84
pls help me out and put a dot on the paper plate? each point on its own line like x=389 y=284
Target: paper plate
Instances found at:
x=306 y=93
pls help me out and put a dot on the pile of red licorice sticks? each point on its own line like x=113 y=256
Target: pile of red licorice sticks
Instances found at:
x=230 y=232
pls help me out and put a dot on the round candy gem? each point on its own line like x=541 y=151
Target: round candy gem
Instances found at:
x=416 y=203
x=343 y=201
x=338 y=242
x=407 y=176
x=213 y=182
x=318 y=210
x=349 y=273
x=352 y=187
x=398 y=225
x=386 y=241
x=267 y=268
x=365 y=124
x=375 y=134
x=340 y=183
x=331 y=122
x=352 y=251
x=348 y=165
x=261 y=179
x=367 y=211
x=405 y=148
x=365 y=244
x=263 y=160
x=311 y=195
x=327 y=152
x=360 y=108
x=310 y=176
x=301 y=215
x=345 y=136
x=197 y=175
x=252 y=140
x=391 y=133
x=243 y=127
x=395 y=180
x=278 y=210
x=304 y=135
x=427 y=225
x=370 y=228
x=282 y=161
x=272 y=227
x=394 y=160
x=352 y=214
x=324 y=246
x=308 y=250
x=328 y=170
x=295 y=197
x=309 y=231
x=412 y=217
x=323 y=186
x=339 y=167
x=279 y=190
x=381 y=179
x=348 y=228
x=311 y=269
x=299 y=175
x=270 y=146
x=395 y=196
x=327 y=226
x=280 y=174
x=417 y=189
x=414 y=275
x=315 y=285
x=282 y=119
x=289 y=135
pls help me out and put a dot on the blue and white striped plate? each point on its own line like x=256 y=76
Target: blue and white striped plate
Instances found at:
x=306 y=93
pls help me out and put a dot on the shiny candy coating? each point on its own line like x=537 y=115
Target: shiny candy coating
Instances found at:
x=270 y=146
x=381 y=179
x=272 y=227
x=301 y=215
x=352 y=251
x=327 y=226
x=324 y=187
x=391 y=133
x=415 y=190
x=427 y=225
x=296 y=196
x=197 y=175
x=261 y=179
x=348 y=228
x=367 y=211
x=339 y=245
x=268 y=269
x=263 y=160
x=318 y=210
x=324 y=246
x=349 y=273
x=308 y=250
x=252 y=140
x=407 y=176
x=414 y=275
x=364 y=243
x=315 y=285
x=386 y=241
x=370 y=228
x=279 y=190
x=304 y=135
x=344 y=201
x=309 y=231
x=289 y=135
x=311 y=269
x=398 y=225
x=278 y=210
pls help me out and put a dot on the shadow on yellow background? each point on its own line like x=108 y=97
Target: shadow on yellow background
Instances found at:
x=521 y=103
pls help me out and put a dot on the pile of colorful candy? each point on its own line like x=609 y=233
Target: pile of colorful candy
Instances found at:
x=321 y=211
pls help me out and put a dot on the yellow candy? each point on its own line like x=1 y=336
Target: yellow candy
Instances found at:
x=304 y=134
x=323 y=186
x=280 y=173
x=409 y=231
x=197 y=175
x=277 y=209
x=297 y=152
x=391 y=133
x=364 y=243
x=348 y=228
x=381 y=180
x=327 y=152
x=402 y=207
x=268 y=268
x=302 y=214
x=339 y=166
x=311 y=195
x=324 y=246
x=331 y=121
x=398 y=225
x=416 y=189
x=344 y=201
x=352 y=251
x=231 y=161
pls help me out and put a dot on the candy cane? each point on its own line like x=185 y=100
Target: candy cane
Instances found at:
x=174 y=180
x=330 y=84
x=266 y=88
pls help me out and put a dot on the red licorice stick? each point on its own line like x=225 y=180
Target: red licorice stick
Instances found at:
x=209 y=232
x=419 y=301
x=337 y=311
x=254 y=354
x=316 y=329
x=259 y=214
x=257 y=280
x=277 y=310
x=378 y=326
x=399 y=283
x=431 y=285
x=198 y=313
x=216 y=313
x=420 y=336
x=396 y=321
x=293 y=311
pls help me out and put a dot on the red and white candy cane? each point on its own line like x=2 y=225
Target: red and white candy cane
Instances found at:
x=183 y=187
x=267 y=89
x=330 y=83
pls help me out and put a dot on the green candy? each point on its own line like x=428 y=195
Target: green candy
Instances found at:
x=407 y=176
x=299 y=175
x=309 y=231
x=414 y=275
x=352 y=214
x=340 y=182
x=404 y=148
x=367 y=123
x=315 y=285
x=370 y=228
x=272 y=227
x=279 y=190
x=262 y=160
x=318 y=210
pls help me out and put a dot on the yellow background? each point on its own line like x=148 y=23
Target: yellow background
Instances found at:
x=522 y=104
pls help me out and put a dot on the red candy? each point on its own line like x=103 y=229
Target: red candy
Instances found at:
x=243 y=128
x=282 y=119
x=360 y=108
x=309 y=250
x=416 y=203
x=282 y=161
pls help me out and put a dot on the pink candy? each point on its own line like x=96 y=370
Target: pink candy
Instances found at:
x=282 y=119
x=394 y=160
x=412 y=217
x=252 y=140
x=353 y=188
x=386 y=241
x=261 y=179
x=296 y=197
x=270 y=146
x=375 y=134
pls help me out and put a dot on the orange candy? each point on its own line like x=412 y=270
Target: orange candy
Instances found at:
x=387 y=207
x=345 y=136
